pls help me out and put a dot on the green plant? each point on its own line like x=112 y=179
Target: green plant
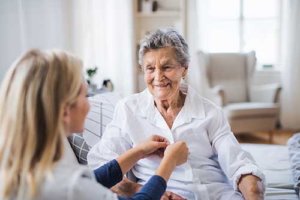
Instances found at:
x=91 y=72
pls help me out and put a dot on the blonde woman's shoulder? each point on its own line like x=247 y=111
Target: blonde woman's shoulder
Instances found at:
x=72 y=182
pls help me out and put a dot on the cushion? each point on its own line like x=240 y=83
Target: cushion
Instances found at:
x=274 y=162
x=100 y=114
x=80 y=147
x=237 y=110
x=294 y=155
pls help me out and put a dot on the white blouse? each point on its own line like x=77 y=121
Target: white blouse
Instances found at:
x=216 y=160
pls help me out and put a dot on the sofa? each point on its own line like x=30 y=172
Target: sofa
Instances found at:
x=272 y=159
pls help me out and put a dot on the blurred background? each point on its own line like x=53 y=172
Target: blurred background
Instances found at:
x=106 y=35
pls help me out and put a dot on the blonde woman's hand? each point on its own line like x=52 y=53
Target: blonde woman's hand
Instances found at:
x=174 y=155
x=155 y=145
x=178 y=152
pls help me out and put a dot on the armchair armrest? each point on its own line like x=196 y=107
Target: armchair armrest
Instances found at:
x=265 y=93
x=217 y=95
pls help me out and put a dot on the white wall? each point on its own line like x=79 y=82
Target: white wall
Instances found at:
x=72 y=26
x=10 y=40
x=32 y=24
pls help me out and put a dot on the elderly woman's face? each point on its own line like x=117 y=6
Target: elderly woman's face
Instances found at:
x=162 y=73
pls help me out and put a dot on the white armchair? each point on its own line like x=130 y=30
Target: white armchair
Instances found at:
x=248 y=108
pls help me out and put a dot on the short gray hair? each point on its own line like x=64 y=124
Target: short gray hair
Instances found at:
x=161 y=38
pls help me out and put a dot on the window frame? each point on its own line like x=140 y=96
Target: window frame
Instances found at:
x=241 y=23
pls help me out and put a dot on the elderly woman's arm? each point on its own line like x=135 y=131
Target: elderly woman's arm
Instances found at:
x=237 y=164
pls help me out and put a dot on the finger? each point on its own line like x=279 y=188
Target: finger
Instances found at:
x=164 y=197
x=160 y=145
x=152 y=147
x=159 y=152
x=159 y=138
x=176 y=196
x=168 y=193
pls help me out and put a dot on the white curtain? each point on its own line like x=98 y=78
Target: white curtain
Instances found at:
x=196 y=17
x=103 y=37
x=98 y=31
x=291 y=65
x=32 y=24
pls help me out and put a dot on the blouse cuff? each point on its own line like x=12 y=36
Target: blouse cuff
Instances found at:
x=249 y=169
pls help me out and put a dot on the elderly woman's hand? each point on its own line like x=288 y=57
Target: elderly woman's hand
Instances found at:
x=251 y=187
x=171 y=196
x=155 y=145
x=129 y=188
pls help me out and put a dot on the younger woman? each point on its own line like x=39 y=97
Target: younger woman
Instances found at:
x=43 y=100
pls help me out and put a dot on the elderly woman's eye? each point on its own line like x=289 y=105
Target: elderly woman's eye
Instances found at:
x=149 y=69
x=167 y=68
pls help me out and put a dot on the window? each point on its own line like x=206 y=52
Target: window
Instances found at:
x=245 y=25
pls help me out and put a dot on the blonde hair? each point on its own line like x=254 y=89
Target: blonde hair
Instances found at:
x=33 y=96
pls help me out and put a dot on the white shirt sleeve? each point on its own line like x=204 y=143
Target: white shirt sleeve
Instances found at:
x=114 y=141
x=233 y=160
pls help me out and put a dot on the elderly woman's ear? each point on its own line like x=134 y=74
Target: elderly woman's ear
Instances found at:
x=185 y=72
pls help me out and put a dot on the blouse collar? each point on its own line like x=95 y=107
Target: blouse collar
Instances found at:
x=193 y=107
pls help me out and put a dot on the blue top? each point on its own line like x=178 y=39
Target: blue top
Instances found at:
x=110 y=174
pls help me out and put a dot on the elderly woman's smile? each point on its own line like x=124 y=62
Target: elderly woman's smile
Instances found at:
x=163 y=73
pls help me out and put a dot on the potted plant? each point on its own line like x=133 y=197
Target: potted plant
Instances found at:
x=91 y=72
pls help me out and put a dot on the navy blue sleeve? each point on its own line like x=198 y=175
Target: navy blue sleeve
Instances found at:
x=109 y=174
x=152 y=190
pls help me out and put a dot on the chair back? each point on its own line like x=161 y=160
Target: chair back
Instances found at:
x=232 y=71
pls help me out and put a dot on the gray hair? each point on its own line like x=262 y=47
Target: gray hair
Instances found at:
x=165 y=38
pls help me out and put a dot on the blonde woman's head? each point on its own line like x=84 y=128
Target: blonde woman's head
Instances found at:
x=35 y=99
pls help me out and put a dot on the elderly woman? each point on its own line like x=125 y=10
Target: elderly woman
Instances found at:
x=42 y=100
x=217 y=167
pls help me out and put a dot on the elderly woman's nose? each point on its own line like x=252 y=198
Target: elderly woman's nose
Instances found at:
x=158 y=74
